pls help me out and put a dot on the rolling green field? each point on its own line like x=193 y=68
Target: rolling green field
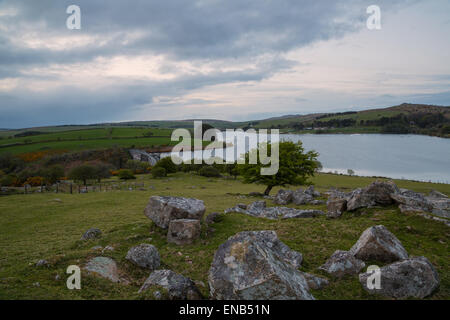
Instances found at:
x=98 y=138
x=49 y=226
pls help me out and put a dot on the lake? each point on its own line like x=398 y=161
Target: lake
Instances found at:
x=413 y=157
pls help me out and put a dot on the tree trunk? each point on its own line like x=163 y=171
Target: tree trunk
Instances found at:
x=267 y=191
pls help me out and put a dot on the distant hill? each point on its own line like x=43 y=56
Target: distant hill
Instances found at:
x=404 y=118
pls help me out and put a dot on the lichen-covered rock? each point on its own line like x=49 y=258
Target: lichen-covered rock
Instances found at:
x=162 y=210
x=377 y=193
x=92 y=233
x=299 y=197
x=312 y=192
x=381 y=192
x=290 y=213
x=379 y=244
x=336 y=207
x=256 y=265
x=183 y=231
x=255 y=208
x=104 y=267
x=411 y=278
x=145 y=256
x=315 y=282
x=441 y=206
x=342 y=263
x=412 y=201
x=436 y=194
x=283 y=197
x=259 y=209
x=177 y=286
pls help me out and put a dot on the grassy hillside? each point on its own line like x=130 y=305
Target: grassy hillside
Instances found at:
x=37 y=226
x=405 y=118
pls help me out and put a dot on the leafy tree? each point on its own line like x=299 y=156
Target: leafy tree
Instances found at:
x=295 y=166
x=53 y=174
x=102 y=171
x=148 y=133
x=167 y=164
x=83 y=173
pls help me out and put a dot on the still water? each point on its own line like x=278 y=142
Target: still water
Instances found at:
x=413 y=157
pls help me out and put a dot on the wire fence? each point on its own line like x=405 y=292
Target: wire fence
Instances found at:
x=74 y=188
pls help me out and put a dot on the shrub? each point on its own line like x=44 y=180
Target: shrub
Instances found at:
x=209 y=171
x=126 y=174
x=137 y=166
x=9 y=181
x=167 y=164
x=159 y=172
x=34 y=181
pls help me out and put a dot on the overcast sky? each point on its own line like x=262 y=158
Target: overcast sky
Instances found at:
x=224 y=59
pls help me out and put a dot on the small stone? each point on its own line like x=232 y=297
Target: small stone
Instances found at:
x=315 y=282
x=342 y=263
x=178 y=286
x=108 y=248
x=104 y=267
x=42 y=263
x=92 y=233
x=212 y=218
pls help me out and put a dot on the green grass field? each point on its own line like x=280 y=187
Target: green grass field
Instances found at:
x=37 y=226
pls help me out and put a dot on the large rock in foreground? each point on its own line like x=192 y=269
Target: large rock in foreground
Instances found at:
x=183 y=231
x=145 y=256
x=104 y=267
x=342 y=263
x=379 y=244
x=412 y=278
x=255 y=265
x=177 y=286
x=162 y=210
